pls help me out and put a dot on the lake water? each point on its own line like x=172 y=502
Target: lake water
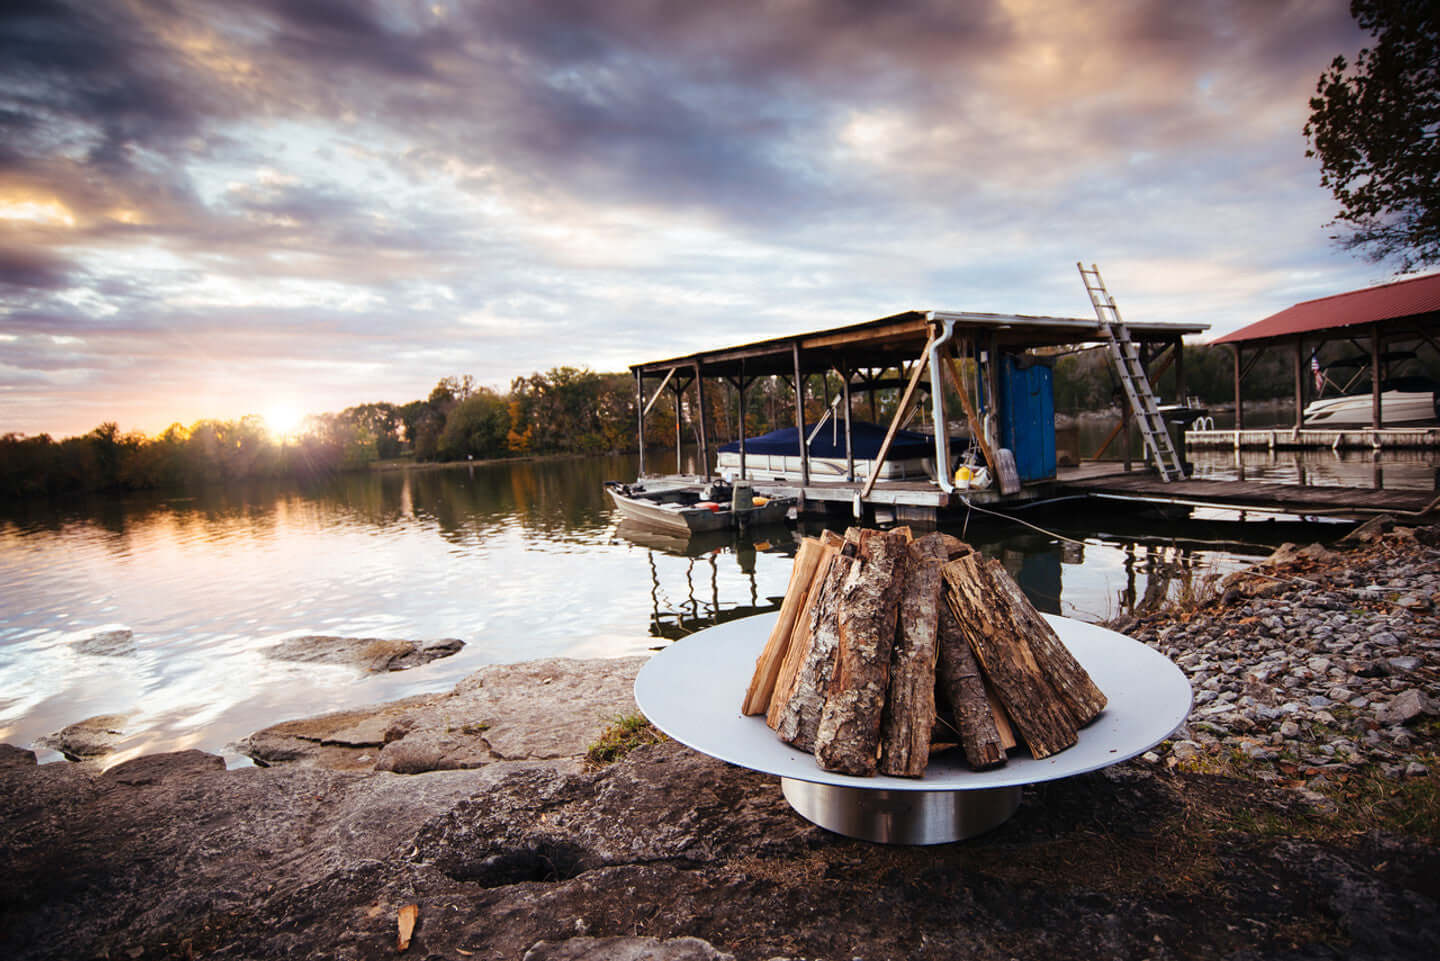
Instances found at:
x=518 y=560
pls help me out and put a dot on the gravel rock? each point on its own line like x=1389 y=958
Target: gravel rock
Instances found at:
x=1311 y=642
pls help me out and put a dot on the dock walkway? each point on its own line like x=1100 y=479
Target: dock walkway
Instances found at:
x=1351 y=502
x=1288 y=438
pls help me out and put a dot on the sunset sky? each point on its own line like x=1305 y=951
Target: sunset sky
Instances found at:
x=210 y=208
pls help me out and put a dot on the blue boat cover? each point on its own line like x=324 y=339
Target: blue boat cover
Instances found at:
x=830 y=442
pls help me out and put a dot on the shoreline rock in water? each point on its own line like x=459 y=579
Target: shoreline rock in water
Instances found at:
x=1214 y=850
x=373 y=654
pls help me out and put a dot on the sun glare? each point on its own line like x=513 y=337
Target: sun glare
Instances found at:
x=283 y=420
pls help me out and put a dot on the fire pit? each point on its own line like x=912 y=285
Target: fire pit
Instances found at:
x=688 y=691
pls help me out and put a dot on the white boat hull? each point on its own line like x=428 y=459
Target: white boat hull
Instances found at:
x=681 y=519
x=1397 y=409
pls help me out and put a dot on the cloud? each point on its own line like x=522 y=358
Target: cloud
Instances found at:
x=367 y=196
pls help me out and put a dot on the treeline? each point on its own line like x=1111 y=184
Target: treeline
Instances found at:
x=565 y=410
x=562 y=411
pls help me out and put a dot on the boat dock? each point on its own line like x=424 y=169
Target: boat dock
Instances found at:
x=1307 y=501
x=920 y=502
x=1289 y=438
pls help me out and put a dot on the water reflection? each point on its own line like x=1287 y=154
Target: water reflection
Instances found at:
x=677 y=613
x=519 y=560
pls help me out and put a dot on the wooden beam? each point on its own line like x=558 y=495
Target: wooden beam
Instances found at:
x=977 y=429
x=704 y=431
x=1377 y=415
x=658 y=390
x=905 y=401
x=1299 y=371
x=800 y=416
x=641 y=410
x=1239 y=408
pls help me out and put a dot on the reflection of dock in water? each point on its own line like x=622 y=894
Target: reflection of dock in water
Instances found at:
x=702 y=606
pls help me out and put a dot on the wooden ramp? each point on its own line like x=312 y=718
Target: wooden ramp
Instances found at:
x=1347 y=502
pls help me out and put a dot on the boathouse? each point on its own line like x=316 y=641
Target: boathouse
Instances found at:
x=988 y=373
x=1366 y=333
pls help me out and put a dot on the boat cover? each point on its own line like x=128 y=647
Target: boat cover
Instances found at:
x=830 y=442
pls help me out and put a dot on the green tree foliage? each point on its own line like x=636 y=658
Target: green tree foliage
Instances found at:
x=476 y=427
x=1376 y=129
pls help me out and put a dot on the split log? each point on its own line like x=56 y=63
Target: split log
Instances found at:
x=963 y=688
x=1072 y=682
x=772 y=658
x=797 y=717
x=1008 y=740
x=1043 y=688
x=909 y=714
x=801 y=637
x=848 y=738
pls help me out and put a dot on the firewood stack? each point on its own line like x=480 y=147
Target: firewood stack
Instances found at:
x=888 y=649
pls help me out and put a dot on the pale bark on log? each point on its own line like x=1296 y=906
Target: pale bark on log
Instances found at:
x=801 y=639
x=848 y=738
x=772 y=658
x=909 y=714
x=1002 y=720
x=797 y=718
x=998 y=629
x=964 y=690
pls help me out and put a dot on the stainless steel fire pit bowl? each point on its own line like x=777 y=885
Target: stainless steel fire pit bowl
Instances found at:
x=692 y=691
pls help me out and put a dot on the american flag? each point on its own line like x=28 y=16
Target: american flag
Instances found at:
x=1318 y=373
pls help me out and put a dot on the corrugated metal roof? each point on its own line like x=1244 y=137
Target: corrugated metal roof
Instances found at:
x=1404 y=298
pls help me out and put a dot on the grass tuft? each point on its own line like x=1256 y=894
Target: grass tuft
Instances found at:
x=625 y=733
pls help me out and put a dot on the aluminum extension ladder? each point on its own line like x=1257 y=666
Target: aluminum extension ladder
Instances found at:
x=1125 y=355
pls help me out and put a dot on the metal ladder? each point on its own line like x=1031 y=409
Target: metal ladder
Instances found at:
x=1125 y=355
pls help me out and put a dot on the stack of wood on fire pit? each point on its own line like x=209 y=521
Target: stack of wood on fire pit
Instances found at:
x=888 y=647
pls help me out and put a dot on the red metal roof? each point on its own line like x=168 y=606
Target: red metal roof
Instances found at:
x=1404 y=298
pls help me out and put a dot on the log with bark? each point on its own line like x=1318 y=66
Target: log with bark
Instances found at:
x=879 y=630
x=909 y=715
x=848 y=738
x=796 y=717
x=772 y=658
x=1045 y=691
x=963 y=689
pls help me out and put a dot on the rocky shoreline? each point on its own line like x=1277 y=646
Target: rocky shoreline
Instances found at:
x=1315 y=664
x=1295 y=815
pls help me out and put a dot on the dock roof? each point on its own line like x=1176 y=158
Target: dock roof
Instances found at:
x=899 y=338
x=1406 y=305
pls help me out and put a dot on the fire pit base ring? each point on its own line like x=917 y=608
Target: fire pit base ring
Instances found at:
x=901 y=817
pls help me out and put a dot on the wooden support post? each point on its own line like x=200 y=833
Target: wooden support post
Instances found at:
x=1377 y=415
x=800 y=417
x=1181 y=393
x=849 y=441
x=704 y=432
x=1299 y=365
x=679 y=390
x=900 y=412
x=640 y=412
x=1239 y=407
x=740 y=386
